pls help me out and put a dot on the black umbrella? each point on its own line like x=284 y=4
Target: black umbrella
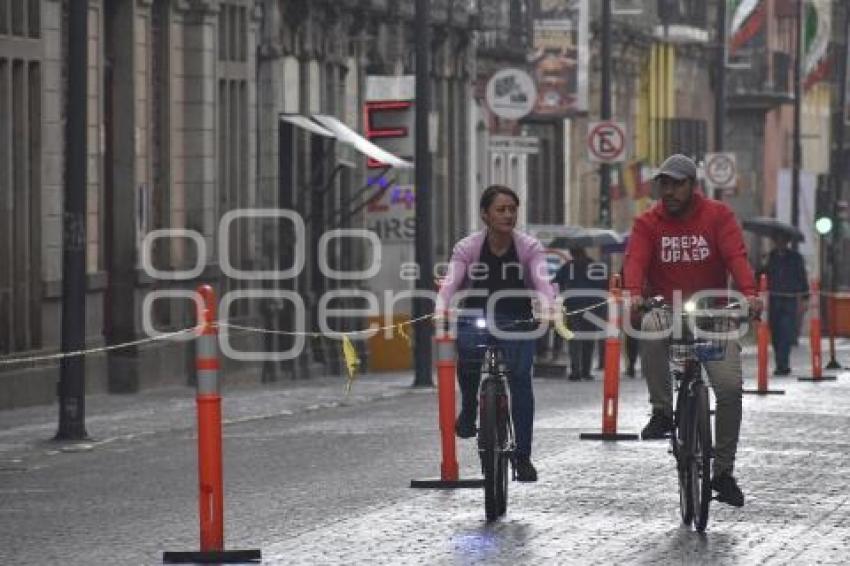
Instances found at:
x=564 y=237
x=771 y=228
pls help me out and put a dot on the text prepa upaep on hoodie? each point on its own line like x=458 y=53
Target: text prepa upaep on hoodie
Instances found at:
x=690 y=253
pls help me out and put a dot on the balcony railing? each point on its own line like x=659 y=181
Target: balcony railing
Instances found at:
x=759 y=80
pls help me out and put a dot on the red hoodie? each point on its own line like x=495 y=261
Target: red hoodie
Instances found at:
x=689 y=253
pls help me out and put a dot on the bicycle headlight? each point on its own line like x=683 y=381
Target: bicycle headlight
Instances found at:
x=690 y=307
x=480 y=323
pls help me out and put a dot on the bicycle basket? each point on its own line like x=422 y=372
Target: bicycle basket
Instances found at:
x=712 y=336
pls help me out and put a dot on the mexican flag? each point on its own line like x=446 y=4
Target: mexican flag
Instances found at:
x=817 y=27
x=748 y=18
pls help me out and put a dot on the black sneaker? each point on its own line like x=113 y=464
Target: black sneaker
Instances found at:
x=525 y=470
x=727 y=490
x=465 y=425
x=659 y=426
x=574 y=377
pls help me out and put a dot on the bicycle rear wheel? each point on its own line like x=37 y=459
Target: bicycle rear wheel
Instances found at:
x=701 y=462
x=488 y=450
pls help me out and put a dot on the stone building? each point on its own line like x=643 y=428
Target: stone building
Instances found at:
x=183 y=128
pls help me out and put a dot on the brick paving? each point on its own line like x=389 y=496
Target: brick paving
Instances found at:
x=314 y=478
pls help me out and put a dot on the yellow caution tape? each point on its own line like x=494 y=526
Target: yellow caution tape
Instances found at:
x=562 y=330
x=405 y=334
x=352 y=362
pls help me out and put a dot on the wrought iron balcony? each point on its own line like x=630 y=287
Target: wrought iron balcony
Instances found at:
x=759 y=79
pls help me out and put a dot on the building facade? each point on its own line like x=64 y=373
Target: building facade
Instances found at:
x=183 y=131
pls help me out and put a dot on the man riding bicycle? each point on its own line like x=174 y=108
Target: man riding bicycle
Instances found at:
x=684 y=244
x=498 y=259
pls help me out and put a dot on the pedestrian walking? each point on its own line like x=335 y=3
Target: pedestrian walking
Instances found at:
x=575 y=278
x=788 y=289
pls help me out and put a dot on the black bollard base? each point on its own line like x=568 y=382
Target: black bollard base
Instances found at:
x=764 y=391
x=821 y=378
x=606 y=436
x=833 y=365
x=447 y=484
x=213 y=557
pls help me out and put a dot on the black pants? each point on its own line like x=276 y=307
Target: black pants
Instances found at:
x=581 y=349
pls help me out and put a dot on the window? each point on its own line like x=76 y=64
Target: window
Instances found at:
x=233 y=132
x=20 y=177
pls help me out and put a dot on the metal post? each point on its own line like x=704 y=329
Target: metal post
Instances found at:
x=605 y=114
x=837 y=179
x=72 y=383
x=720 y=90
x=797 y=149
x=424 y=251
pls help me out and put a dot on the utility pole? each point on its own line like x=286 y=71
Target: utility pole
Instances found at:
x=837 y=171
x=423 y=248
x=720 y=90
x=72 y=381
x=797 y=156
x=605 y=114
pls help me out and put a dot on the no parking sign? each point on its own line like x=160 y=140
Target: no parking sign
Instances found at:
x=606 y=142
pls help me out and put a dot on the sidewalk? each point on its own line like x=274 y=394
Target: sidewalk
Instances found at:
x=124 y=417
x=29 y=430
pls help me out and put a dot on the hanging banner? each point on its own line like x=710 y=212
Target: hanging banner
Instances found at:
x=560 y=58
x=817 y=29
x=748 y=19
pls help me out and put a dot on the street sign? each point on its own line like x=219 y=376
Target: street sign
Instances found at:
x=721 y=171
x=511 y=93
x=606 y=142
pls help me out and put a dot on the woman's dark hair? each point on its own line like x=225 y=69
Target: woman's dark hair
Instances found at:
x=491 y=192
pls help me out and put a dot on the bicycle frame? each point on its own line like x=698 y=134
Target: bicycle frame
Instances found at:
x=494 y=375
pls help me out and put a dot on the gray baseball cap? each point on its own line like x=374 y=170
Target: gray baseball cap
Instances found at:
x=678 y=167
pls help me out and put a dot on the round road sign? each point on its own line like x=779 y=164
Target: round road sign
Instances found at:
x=720 y=170
x=511 y=93
x=606 y=141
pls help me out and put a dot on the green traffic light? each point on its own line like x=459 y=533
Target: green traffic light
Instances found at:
x=823 y=225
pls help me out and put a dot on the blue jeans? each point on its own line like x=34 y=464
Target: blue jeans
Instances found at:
x=472 y=342
x=783 y=328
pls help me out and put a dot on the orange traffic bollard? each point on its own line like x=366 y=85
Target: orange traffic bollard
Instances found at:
x=446 y=394
x=611 y=384
x=210 y=480
x=833 y=313
x=763 y=339
x=446 y=368
x=815 y=337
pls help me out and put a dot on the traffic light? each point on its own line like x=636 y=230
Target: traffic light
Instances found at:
x=823 y=225
x=823 y=209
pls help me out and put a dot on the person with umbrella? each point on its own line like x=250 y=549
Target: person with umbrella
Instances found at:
x=577 y=276
x=788 y=286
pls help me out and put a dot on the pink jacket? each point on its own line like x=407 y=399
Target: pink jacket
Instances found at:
x=468 y=252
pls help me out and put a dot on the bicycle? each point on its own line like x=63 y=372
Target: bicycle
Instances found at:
x=691 y=439
x=496 y=442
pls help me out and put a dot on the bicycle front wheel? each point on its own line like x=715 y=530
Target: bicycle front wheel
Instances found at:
x=701 y=468
x=488 y=449
x=682 y=440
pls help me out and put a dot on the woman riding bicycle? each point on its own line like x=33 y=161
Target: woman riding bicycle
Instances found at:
x=498 y=259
